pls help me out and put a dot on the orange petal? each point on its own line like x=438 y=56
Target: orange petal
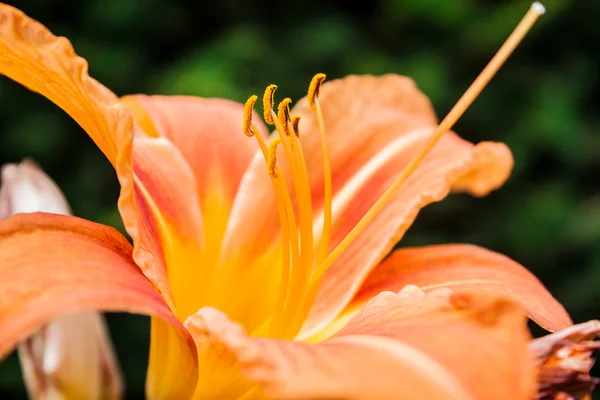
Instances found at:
x=44 y=63
x=165 y=190
x=51 y=265
x=449 y=162
x=442 y=347
x=171 y=219
x=47 y=64
x=72 y=356
x=466 y=267
x=208 y=132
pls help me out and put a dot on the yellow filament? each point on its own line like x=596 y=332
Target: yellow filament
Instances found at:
x=300 y=270
x=268 y=103
x=287 y=220
x=327 y=191
x=290 y=255
x=465 y=101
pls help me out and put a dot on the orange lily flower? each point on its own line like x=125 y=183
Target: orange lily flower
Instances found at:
x=71 y=357
x=260 y=259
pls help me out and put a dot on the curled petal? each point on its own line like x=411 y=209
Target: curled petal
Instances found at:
x=466 y=267
x=564 y=360
x=443 y=346
x=51 y=265
x=44 y=63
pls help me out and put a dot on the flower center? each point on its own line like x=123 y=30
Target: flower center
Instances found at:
x=302 y=266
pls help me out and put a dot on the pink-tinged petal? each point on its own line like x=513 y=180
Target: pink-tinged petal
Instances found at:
x=466 y=267
x=165 y=192
x=46 y=64
x=51 y=265
x=564 y=360
x=169 y=213
x=440 y=346
x=449 y=162
x=208 y=132
x=72 y=356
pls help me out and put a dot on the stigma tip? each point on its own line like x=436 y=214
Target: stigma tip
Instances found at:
x=538 y=8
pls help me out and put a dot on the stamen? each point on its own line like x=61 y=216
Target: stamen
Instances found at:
x=296 y=125
x=272 y=161
x=269 y=104
x=250 y=130
x=290 y=253
x=314 y=88
x=283 y=113
x=248 y=110
x=465 y=101
x=313 y=101
x=287 y=219
x=300 y=270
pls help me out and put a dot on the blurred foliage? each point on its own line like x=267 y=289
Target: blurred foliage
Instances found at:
x=543 y=104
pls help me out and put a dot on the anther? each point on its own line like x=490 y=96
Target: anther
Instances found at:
x=272 y=161
x=268 y=103
x=283 y=113
x=248 y=109
x=296 y=124
x=314 y=88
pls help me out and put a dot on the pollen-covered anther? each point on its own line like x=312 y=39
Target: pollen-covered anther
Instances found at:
x=272 y=161
x=314 y=88
x=296 y=124
x=283 y=113
x=269 y=104
x=248 y=110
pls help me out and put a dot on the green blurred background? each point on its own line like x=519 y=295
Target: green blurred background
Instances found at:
x=543 y=104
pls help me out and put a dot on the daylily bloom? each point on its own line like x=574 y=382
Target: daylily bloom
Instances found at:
x=260 y=259
x=72 y=356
